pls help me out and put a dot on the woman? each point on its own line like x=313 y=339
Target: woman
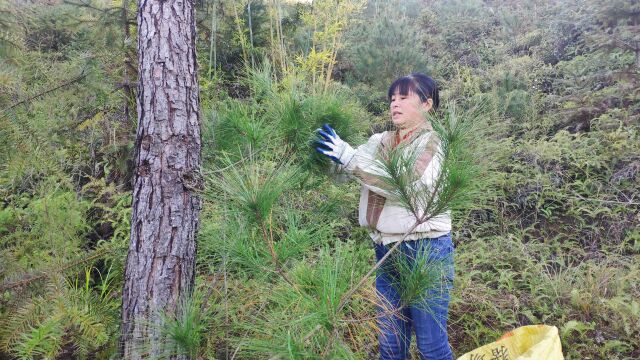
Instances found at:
x=411 y=98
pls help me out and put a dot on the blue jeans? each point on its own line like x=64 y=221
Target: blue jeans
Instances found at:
x=428 y=315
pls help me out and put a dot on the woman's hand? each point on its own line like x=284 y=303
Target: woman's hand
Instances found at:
x=329 y=144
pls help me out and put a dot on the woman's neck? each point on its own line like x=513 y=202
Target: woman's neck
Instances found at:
x=405 y=131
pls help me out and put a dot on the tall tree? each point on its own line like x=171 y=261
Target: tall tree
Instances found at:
x=161 y=259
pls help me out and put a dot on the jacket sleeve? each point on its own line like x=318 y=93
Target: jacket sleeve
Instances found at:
x=428 y=162
x=362 y=164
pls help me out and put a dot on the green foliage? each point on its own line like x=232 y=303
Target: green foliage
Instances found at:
x=44 y=231
x=288 y=113
x=185 y=330
x=61 y=127
x=320 y=283
x=339 y=110
x=552 y=238
x=301 y=235
x=419 y=280
x=66 y=314
x=383 y=45
x=239 y=131
x=256 y=187
x=556 y=91
x=281 y=119
x=42 y=341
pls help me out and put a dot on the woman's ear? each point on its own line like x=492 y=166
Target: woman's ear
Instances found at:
x=427 y=105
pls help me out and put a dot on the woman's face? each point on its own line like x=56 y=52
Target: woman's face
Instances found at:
x=407 y=111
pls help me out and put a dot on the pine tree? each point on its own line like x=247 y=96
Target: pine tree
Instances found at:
x=161 y=260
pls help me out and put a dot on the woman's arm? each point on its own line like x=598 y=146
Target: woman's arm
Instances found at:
x=365 y=165
x=421 y=157
x=360 y=162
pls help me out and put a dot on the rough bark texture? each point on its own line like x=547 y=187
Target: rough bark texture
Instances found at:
x=161 y=259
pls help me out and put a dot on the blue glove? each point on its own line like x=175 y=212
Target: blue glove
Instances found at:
x=329 y=144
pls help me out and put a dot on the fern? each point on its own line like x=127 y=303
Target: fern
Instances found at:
x=44 y=340
x=22 y=321
x=66 y=314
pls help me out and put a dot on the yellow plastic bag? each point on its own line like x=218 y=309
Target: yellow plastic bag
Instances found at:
x=533 y=342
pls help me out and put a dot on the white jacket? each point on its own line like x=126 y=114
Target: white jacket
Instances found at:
x=386 y=218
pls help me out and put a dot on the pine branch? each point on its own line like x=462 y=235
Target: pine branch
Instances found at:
x=89 y=6
x=47 y=273
x=65 y=84
x=347 y=296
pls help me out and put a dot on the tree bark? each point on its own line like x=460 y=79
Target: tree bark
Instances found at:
x=253 y=62
x=127 y=60
x=213 y=43
x=161 y=260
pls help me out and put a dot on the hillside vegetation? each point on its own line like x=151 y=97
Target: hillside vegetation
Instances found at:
x=552 y=236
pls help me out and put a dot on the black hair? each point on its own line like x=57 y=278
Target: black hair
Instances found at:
x=419 y=83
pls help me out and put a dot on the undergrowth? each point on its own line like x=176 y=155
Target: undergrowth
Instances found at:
x=552 y=238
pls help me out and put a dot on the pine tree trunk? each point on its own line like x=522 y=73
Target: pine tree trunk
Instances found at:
x=164 y=222
x=127 y=61
x=253 y=62
x=213 y=43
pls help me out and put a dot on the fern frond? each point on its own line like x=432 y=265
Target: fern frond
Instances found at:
x=22 y=321
x=44 y=340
